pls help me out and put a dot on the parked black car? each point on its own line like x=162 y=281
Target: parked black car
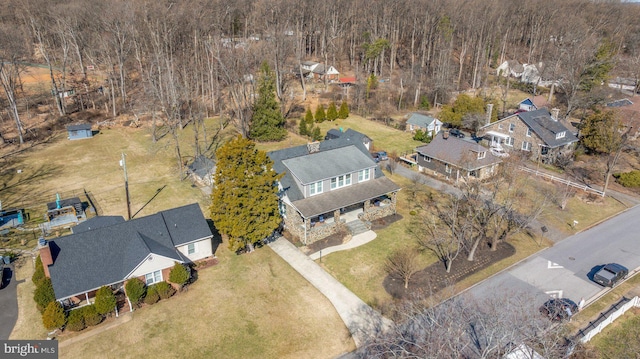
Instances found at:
x=380 y=156
x=610 y=274
x=559 y=309
x=457 y=133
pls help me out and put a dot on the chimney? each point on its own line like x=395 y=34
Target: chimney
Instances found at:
x=445 y=134
x=313 y=147
x=489 y=111
x=45 y=255
x=555 y=112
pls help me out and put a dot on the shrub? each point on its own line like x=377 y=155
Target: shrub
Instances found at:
x=75 y=322
x=302 y=127
x=321 y=116
x=53 y=316
x=91 y=315
x=344 y=110
x=44 y=295
x=628 y=179
x=164 y=289
x=308 y=117
x=422 y=136
x=135 y=289
x=38 y=276
x=105 y=301
x=179 y=274
x=152 y=296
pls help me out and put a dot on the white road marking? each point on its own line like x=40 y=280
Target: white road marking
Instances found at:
x=551 y=265
x=555 y=293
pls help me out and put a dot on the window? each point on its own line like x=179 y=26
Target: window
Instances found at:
x=499 y=126
x=153 y=277
x=512 y=127
x=447 y=168
x=341 y=181
x=315 y=188
x=427 y=159
x=526 y=146
x=560 y=135
x=528 y=132
x=191 y=248
x=363 y=175
x=509 y=141
x=482 y=155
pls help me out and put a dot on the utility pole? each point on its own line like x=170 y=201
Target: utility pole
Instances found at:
x=123 y=164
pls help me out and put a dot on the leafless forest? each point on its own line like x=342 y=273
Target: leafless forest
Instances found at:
x=180 y=61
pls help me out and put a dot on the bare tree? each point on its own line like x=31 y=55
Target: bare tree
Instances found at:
x=403 y=263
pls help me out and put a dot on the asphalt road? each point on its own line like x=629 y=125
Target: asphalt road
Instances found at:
x=564 y=270
x=8 y=303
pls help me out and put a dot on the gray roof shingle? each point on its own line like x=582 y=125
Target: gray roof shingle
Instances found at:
x=80 y=127
x=546 y=128
x=97 y=222
x=106 y=255
x=420 y=120
x=324 y=164
x=458 y=152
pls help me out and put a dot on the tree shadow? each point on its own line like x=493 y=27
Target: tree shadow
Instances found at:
x=216 y=240
x=7 y=274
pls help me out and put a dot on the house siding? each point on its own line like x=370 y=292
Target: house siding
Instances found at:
x=203 y=250
x=437 y=167
x=153 y=264
x=326 y=184
x=79 y=134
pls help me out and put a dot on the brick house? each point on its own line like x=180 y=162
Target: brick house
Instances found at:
x=456 y=158
x=109 y=251
x=332 y=186
x=538 y=133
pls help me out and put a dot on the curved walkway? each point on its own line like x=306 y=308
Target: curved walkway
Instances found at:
x=361 y=320
x=356 y=241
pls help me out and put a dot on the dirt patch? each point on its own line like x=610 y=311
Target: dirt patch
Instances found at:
x=434 y=278
x=335 y=239
x=381 y=223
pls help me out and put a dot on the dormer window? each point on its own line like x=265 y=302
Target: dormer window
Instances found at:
x=560 y=135
x=315 y=188
x=363 y=175
x=482 y=155
x=341 y=181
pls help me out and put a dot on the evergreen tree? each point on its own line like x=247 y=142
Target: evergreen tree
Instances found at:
x=43 y=295
x=53 y=316
x=135 y=289
x=332 y=112
x=321 y=116
x=308 y=117
x=105 y=301
x=244 y=201
x=344 y=110
x=302 y=128
x=316 y=135
x=267 y=123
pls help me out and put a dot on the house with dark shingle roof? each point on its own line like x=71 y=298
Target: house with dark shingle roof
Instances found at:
x=109 y=251
x=330 y=184
x=425 y=123
x=538 y=133
x=456 y=158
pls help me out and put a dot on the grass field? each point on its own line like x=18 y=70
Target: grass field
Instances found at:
x=251 y=306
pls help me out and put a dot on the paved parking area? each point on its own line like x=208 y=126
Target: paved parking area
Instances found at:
x=8 y=303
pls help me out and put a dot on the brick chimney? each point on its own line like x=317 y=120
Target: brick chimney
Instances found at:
x=488 y=114
x=45 y=255
x=445 y=134
x=555 y=113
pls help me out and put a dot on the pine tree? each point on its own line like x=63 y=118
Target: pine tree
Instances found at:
x=244 y=201
x=321 y=116
x=267 y=123
x=53 y=316
x=302 y=128
x=332 y=112
x=316 y=135
x=179 y=274
x=308 y=117
x=344 y=110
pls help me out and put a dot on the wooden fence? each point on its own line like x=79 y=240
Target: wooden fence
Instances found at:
x=562 y=180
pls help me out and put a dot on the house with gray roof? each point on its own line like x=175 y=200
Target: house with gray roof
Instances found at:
x=424 y=123
x=456 y=158
x=109 y=251
x=331 y=186
x=538 y=133
x=78 y=132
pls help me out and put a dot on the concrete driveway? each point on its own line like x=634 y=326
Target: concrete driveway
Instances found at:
x=8 y=303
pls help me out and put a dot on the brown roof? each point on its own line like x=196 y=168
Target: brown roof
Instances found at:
x=344 y=197
x=458 y=152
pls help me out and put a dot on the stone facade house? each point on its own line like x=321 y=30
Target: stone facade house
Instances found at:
x=538 y=133
x=331 y=186
x=456 y=158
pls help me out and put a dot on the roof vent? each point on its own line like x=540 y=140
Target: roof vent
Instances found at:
x=313 y=147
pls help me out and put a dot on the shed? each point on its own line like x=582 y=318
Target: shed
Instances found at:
x=202 y=170
x=77 y=132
